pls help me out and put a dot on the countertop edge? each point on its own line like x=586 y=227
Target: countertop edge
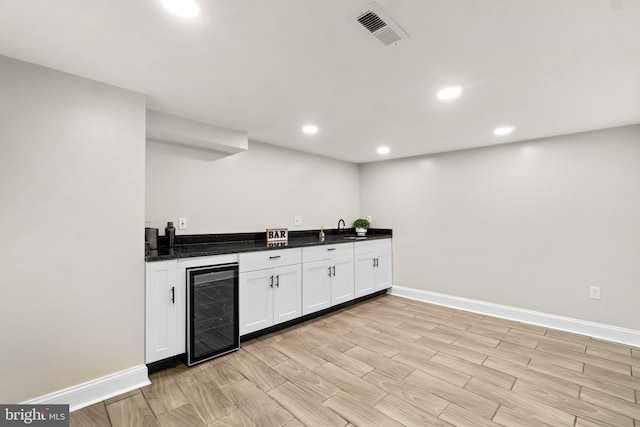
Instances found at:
x=236 y=247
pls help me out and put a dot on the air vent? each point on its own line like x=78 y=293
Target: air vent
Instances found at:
x=371 y=21
x=380 y=24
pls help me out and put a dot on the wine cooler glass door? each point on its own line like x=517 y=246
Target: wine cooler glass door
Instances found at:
x=212 y=310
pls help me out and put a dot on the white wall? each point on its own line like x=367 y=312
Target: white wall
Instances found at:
x=531 y=225
x=264 y=187
x=72 y=210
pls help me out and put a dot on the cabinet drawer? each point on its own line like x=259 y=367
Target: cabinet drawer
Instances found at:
x=324 y=252
x=383 y=245
x=269 y=259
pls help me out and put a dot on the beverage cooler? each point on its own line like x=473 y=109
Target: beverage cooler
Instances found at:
x=212 y=312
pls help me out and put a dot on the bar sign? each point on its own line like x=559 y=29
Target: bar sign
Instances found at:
x=277 y=235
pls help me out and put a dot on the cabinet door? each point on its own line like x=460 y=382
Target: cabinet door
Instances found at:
x=256 y=301
x=316 y=286
x=287 y=295
x=164 y=327
x=342 y=282
x=364 y=274
x=382 y=271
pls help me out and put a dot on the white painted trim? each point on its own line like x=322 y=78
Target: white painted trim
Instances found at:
x=86 y=394
x=617 y=334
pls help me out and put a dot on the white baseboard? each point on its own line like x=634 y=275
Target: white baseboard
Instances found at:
x=86 y=394
x=625 y=336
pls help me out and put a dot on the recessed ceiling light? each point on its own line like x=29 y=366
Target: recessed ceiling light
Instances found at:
x=310 y=129
x=505 y=130
x=184 y=8
x=383 y=150
x=450 y=92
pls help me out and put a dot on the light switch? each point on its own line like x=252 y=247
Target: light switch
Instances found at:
x=297 y=220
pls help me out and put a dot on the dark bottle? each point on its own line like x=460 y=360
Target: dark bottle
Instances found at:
x=170 y=234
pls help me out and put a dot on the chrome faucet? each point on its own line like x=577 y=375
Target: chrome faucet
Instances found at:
x=343 y=225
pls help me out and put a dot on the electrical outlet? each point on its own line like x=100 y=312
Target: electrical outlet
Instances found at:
x=594 y=292
x=369 y=218
x=182 y=223
x=297 y=220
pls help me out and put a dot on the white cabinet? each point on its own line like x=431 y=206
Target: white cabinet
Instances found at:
x=316 y=286
x=373 y=267
x=327 y=276
x=270 y=288
x=165 y=311
x=275 y=286
x=383 y=274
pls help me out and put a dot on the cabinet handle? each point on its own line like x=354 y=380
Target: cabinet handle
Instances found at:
x=278 y=281
x=377 y=262
x=334 y=270
x=374 y=261
x=271 y=285
x=331 y=249
x=173 y=294
x=329 y=271
x=274 y=257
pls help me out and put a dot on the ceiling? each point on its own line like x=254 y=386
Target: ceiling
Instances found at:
x=547 y=67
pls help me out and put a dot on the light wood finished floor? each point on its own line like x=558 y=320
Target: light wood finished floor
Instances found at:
x=392 y=362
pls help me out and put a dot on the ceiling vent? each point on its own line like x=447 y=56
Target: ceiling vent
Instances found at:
x=377 y=22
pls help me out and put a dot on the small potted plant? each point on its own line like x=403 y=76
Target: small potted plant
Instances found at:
x=361 y=225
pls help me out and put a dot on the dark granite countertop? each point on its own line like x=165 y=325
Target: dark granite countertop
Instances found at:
x=195 y=245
